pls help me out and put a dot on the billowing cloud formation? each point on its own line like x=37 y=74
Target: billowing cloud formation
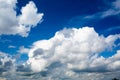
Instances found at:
x=77 y=50
x=11 y=24
x=72 y=54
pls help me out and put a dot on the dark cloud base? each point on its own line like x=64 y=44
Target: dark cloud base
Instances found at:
x=60 y=76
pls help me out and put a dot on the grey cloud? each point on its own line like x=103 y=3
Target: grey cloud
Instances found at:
x=37 y=52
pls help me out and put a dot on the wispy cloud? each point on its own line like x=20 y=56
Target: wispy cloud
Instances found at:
x=113 y=28
x=11 y=46
x=113 y=10
x=93 y=19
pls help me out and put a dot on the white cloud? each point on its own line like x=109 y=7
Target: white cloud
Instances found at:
x=113 y=28
x=11 y=46
x=29 y=16
x=37 y=65
x=113 y=10
x=77 y=49
x=22 y=49
x=11 y=24
x=71 y=54
x=114 y=61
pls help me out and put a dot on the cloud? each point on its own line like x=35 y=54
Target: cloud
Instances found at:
x=22 y=50
x=77 y=49
x=96 y=18
x=113 y=10
x=6 y=62
x=113 y=28
x=18 y=24
x=10 y=70
x=11 y=46
x=29 y=16
x=70 y=54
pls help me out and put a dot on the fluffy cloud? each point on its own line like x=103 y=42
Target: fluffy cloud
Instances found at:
x=76 y=49
x=71 y=54
x=29 y=16
x=11 y=24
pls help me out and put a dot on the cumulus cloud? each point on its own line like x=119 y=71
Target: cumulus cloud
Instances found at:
x=77 y=49
x=29 y=16
x=70 y=54
x=12 y=24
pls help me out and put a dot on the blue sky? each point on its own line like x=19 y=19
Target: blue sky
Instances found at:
x=63 y=14
x=45 y=29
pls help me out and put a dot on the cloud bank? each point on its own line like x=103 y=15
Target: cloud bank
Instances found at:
x=76 y=49
x=71 y=54
x=12 y=24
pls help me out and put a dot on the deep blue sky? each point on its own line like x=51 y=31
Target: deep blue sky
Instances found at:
x=59 y=14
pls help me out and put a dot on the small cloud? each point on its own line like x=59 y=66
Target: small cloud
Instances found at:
x=113 y=28
x=23 y=50
x=29 y=16
x=11 y=46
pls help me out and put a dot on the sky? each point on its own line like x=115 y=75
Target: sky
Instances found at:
x=59 y=39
